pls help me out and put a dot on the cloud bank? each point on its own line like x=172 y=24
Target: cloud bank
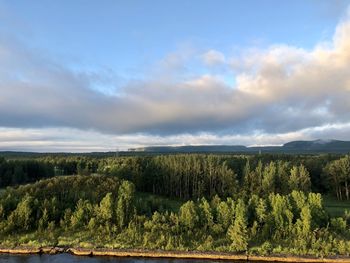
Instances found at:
x=280 y=93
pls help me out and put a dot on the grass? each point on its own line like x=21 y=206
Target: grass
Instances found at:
x=335 y=207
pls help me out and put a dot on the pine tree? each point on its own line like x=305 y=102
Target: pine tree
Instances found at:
x=125 y=205
x=44 y=220
x=106 y=209
x=303 y=229
x=299 y=179
x=237 y=232
x=304 y=179
x=293 y=179
x=206 y=215
x=269 y=178
x=188 y=215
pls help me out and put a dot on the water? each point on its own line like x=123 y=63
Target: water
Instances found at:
x=67 y=258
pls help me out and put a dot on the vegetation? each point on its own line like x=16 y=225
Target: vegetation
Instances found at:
x=263 y=204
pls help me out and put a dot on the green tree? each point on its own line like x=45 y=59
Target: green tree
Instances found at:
x=105 y=211
x=281 y=217
x=282 y=177
x=269 y=178
x=237 y=232
x=125 y=205
x=188 y=215
x=19 y=175
x=303 y=229
x=82 y=214
x=44 y=220
x=21 y=218
x=333 y=177
x=206 y=216
x=225 y=213
x=345 y=174
x=299 y=179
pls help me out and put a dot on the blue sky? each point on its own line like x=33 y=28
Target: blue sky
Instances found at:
x=136 y=73
x=129 y=36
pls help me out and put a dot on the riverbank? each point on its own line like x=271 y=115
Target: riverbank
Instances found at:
x=170 y=254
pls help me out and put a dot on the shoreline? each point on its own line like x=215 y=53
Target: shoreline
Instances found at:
x=169 y=254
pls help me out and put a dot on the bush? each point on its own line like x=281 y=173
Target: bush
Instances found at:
x=265 y=249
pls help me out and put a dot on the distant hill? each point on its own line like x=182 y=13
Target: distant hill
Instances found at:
x=192 y=149
x=317 y=146
x=332 y=146
x=295 y=147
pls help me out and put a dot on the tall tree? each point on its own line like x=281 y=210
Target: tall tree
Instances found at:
x=125 y=205
x=237 y=232
x=299 y=179
x=105 y=211
x=188 y=216
x=269 y=178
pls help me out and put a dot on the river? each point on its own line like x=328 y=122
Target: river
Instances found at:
x=67 y=258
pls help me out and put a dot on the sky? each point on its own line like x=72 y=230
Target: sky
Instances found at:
x=79 y=76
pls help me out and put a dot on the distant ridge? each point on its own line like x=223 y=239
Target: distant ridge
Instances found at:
x=316 y=146
x=294 y=147
x=319 y=146
x=192 y=148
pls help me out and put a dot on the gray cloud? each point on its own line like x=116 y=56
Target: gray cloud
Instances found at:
x=77 y=140
x=280 y=90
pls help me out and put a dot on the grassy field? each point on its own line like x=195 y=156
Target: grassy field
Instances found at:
x=335 y=207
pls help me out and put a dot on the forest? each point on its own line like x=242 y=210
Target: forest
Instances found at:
x=257 y=204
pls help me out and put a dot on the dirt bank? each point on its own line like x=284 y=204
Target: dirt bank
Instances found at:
x=169 y=254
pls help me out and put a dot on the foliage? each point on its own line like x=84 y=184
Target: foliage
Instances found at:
x=248 y=204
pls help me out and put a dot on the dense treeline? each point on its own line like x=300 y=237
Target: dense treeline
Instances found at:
x=22 y=171
x=337 y=173
x=102 y=211
x=253 y=204
x=193 y=176
x=189 y=176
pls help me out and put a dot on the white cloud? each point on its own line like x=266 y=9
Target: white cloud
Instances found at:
x=283 y=91
x=213 y=58
x=74 y=140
